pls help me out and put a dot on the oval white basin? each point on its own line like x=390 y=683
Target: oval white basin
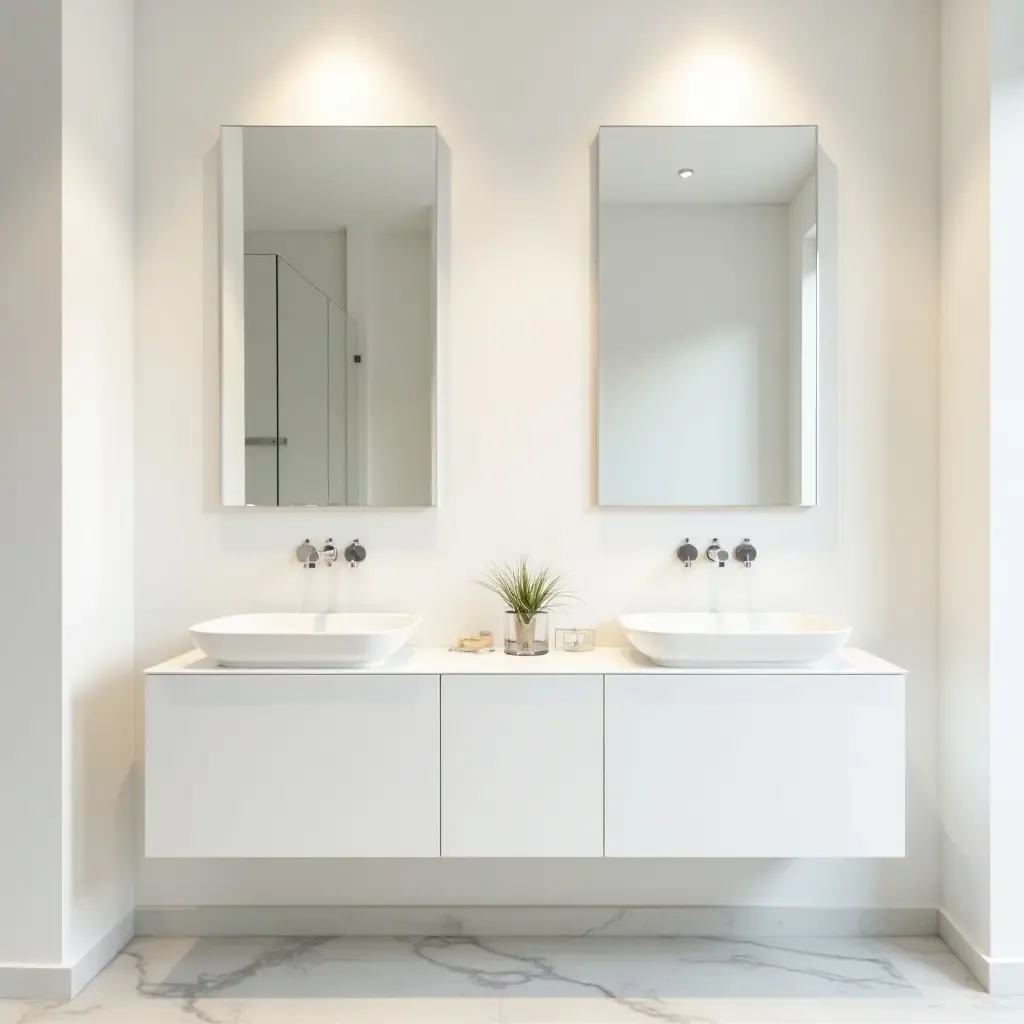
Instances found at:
x=304 y=640
x=676 y=639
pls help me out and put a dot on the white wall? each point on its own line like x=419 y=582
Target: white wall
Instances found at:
x=516 y=376
x=694 y=318
x=965 y=499
x=982 y=491
x=1006 y=141
x=68 y=801
x=98 y=455
x=30 y=468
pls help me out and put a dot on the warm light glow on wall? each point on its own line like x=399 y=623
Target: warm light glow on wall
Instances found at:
x=718 y=80
x=340 y=85
x=336 y=82
x=714 y=81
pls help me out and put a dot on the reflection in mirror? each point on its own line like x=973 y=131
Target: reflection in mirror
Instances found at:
x=329 y=270
x=708 y=316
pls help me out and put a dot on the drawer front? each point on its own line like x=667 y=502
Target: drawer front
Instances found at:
x=754 y=766
x=292 y=766
x=521 y=766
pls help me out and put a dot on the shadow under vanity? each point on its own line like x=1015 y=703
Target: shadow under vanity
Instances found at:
x=334 y=241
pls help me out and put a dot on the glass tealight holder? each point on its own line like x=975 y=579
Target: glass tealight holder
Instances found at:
x=574 y=639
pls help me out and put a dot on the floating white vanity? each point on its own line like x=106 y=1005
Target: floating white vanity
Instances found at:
x=597 y=754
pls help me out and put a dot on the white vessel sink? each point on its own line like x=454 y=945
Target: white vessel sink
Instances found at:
x=697 y=638
x=304 y=640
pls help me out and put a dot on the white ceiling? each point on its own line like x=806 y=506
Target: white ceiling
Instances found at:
x=324 y=179
x=730 y=164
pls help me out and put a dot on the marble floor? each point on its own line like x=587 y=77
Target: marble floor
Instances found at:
x=464 y=980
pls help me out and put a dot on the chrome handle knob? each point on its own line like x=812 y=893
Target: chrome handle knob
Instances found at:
x=355 y=553
x=745 y=553
x=686 y=553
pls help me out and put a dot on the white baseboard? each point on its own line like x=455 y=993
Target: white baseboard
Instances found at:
x=1002 y=976
x=722 y=922
x=64 y=981
x=1005 y=976
x=102 y=953
x=955 y=937
x=35 y=981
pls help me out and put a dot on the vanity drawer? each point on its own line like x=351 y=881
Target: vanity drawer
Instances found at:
x=292 y=766
x=521 y=766
x=754 y=765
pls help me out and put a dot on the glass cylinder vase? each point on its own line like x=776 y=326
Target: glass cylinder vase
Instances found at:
x=526 y=637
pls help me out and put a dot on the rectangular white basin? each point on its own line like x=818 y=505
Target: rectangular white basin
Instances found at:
x=678 y=639
x=304 y=639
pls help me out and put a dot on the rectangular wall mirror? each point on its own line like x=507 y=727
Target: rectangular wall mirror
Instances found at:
x=708 y=316
x=329 y=241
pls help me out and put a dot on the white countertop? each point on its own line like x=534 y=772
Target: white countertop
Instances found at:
x=601 y=661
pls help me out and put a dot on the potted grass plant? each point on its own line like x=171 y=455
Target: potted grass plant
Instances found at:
x=529 y=594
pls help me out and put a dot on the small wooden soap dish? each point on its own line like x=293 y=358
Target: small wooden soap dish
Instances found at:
x=480 y=643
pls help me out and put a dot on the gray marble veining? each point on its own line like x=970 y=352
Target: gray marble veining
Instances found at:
x=460 y=966
x=461 y=979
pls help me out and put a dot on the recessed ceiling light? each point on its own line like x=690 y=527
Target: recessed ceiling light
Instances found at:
x=685 y=172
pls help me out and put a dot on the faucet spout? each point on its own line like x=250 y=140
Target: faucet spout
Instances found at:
x=716 y=553
x=311 y=556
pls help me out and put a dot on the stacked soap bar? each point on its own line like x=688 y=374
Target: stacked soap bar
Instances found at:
x=478 y=643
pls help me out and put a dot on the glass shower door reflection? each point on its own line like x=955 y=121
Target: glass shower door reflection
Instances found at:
x=261 y=435
x=338 y=330
x=301 y=401
x=302 y=389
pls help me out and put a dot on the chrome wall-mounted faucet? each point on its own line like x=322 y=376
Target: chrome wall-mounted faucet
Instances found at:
x=745 y=553
x=311 y=556
x=716 y=553
x=355 y=553
x=686 y=553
